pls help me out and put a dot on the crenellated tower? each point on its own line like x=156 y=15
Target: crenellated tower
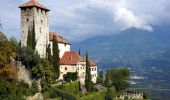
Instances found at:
x=34 y=14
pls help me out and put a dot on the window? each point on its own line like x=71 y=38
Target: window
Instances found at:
x=65 y=68
x=30 y=8
x=27 y=19
x=40 y=29
x=70 y=58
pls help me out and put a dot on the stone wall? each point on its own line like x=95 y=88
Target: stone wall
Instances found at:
x=23 y=73
x=132 y=94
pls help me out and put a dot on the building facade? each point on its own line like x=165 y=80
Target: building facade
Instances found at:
x=34 y=16
x=73 y=62
x=63 y=44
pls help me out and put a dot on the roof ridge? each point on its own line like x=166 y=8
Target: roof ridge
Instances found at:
x=32 y=3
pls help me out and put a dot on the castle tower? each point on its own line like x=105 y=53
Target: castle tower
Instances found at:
x=34 y=14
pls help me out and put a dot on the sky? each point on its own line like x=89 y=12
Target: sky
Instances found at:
x=79 y=20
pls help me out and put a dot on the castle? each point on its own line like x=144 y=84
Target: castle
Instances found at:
x=34 y=16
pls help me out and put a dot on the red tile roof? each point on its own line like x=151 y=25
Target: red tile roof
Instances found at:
x=92 y=63
x=60 y=38
x=33 y=3
x=71 y=58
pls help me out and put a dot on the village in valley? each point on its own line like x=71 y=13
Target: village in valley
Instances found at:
x=42 y=66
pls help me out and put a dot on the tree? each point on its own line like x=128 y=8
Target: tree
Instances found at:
x=119 y=78
x=31 y=40
x=49 y=56
x=107 y=79
x=109 y=94
x=79 y=52
x=88 y=82
x=146 y=95
x=28 y=57
x=43 y=69
x=100 y=78
x=56 y=59
x=7 y=55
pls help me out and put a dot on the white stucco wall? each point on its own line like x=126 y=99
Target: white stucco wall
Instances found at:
x=40 y=19
x=94 y=73
x=79 y=68
x=62 y=47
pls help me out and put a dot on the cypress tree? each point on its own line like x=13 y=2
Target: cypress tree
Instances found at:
x=29 y=39
x=33 y=37
x=31 y=42
x=88 y=82
x=49 y=56
x=79 y=52
x=56 y=59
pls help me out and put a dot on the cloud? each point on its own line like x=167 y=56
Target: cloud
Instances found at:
x=81 y=19
x=122 y=15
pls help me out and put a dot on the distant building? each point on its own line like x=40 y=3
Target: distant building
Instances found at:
x=34 y=14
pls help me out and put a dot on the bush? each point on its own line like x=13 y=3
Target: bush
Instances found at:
x=110 y=94
x=65 y=95
x=71 y=87
x=34 y=88
x=70 y=76
x=55 y=92
x=28 y=57
x=12 y=90
x=50 y=93
x=100 y=95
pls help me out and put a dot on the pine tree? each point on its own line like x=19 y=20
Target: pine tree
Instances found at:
x=56 y=59
x=88 y=83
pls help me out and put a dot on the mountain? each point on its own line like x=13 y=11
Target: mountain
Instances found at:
x=127 y=48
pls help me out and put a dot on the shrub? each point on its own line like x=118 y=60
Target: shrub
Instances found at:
x=71 y=87
x=70 y=76
x=100 y=95
x=65 y=95
x=55 y=93
x=110 y=94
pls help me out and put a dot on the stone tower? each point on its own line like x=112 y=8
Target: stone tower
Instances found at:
x=35 y=13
